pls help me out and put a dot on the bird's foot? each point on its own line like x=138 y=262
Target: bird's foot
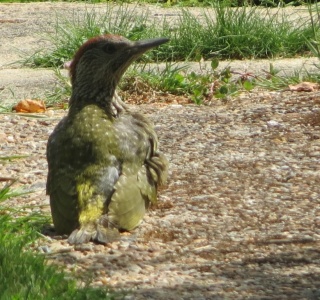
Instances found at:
x=82 y=235
x=100 y=232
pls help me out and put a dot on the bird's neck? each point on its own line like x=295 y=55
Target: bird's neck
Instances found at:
x=84 y=94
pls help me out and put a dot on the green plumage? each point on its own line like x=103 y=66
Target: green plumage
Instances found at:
x=104 y=166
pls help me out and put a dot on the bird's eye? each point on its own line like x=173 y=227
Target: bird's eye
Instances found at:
x=109 y=49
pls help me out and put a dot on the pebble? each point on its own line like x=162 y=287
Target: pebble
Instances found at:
x=84 y=247
x=10 y=139
x=134 y=268
x=44 y=249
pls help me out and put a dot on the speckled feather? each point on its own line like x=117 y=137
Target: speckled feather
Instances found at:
x=104 y=166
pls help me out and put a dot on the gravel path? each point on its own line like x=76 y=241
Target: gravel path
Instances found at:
x=238 y=219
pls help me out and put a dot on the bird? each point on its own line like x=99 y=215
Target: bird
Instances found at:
x=104 y=165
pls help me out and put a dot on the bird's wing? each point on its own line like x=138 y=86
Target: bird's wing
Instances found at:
x=63 y=201
x=61 y=186
x=156 y=162
x=130 y=199
x=62 y=181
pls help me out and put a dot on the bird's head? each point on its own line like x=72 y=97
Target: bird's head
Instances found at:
x=101 y=61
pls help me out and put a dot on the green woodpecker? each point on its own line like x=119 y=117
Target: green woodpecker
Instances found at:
x=103 y=160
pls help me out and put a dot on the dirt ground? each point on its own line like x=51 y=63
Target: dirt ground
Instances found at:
x=239 y=217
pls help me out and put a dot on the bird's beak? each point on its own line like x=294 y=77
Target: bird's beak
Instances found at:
x=151 y=43
x=133 y=52
x=142 y=46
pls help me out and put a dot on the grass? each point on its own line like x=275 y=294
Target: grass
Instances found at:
x=23 y=274
x=70 y=34
x=178 y=80
x=189 y=3
x=252 y=33
x=314 y=42
x=235 y=33
x=229 y=33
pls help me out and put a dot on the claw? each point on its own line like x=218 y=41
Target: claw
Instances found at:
x=80 y=236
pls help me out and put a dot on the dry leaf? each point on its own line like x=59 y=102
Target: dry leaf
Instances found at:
x=304 y=87
x=30 y=106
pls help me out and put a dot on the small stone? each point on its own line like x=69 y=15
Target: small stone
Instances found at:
x=273 y=123
x=124 y=244
x=134 y=268
x=44 y=249
x=84 y=247
x=10 y=139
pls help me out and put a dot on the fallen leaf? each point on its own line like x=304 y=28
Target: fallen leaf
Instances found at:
x=304 y=87
x=30 y=106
